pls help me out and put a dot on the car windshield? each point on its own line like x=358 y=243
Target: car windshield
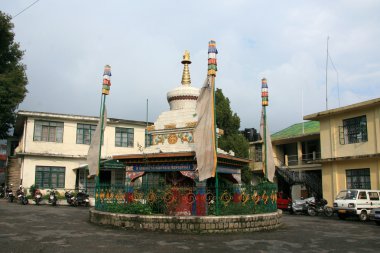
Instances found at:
x=347 y=195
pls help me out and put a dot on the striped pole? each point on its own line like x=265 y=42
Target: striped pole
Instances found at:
x=264 y=102
x=211 y=72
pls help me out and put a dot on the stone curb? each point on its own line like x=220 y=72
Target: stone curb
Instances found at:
x=189 y=224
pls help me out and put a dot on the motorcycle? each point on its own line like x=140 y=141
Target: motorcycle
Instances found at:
x=301 y=205
x=319 y=206
x=2 y=190
x=82 y=198
x=9 y=193
x=70 y=198
x=21 y=196
x=53 y=197
x=37 y=196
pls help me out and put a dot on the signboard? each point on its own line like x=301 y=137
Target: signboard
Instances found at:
x=163 y=167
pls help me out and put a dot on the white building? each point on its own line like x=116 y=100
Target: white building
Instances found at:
x=53 y=146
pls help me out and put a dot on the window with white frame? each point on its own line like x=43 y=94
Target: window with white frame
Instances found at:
x=49 y=131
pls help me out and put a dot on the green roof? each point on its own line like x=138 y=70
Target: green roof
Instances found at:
x=310 y=127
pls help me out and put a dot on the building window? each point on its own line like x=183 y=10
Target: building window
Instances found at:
x=258 y=152
x=124 y=137
x=48 y=131
x=354 y=130
x=50 y=177
x=85 y=133
x=148 y=140
x=358 y=179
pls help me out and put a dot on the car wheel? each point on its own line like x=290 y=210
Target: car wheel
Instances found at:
x=377 y=223
x=363 y=216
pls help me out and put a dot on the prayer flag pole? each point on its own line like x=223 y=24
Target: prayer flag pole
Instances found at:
x=105 y=92
x=212 y=69
x=95 y=150
x=264 y=97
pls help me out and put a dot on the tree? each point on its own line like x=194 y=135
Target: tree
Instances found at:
x=232 y=138
x=13 y=78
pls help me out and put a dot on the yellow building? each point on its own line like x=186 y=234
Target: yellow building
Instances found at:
x=350 y=147
x=295 y=149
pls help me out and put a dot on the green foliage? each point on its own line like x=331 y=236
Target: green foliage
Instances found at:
x=12 y=75
x=225 y=118
x=129 y=208
x=236 y=143
x=32 y=189
x=230 y=123
x=246 y=175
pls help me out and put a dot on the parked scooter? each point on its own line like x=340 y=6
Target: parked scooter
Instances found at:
x=53 y=197
x=301 y=205
x=2 y=191
x=9 y=193
x=21 y=196
x=81 y=198
x=37 y=196
x=70 y=198
x=319 y=206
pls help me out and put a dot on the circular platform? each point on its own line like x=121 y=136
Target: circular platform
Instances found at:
x=189 y=224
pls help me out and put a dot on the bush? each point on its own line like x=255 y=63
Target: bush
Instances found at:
x=33 y=189
x=129 y=208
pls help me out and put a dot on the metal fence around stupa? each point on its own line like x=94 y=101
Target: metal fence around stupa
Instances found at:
x=236 y=199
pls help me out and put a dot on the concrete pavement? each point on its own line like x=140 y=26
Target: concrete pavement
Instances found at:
x=45 y=228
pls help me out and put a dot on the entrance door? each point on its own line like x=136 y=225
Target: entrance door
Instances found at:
x=105 y=177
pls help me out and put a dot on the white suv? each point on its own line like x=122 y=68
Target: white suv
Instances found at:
x=356 y=202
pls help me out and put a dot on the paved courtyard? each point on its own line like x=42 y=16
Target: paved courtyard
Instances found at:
x=66 y=229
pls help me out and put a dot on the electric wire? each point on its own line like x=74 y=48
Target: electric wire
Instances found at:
x=26 y=8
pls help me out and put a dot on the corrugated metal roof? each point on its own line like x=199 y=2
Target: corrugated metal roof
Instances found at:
x=310 y=127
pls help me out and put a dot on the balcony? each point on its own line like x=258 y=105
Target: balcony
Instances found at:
x=294 y=160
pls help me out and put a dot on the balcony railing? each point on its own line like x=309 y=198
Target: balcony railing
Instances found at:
x=293 y=160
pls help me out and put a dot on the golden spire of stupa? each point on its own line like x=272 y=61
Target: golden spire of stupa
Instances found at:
x=186 y=72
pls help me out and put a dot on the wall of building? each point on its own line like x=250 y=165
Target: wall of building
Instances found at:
x=29 y=163
x=330 y=135
x=68 y=154
x=334 y=175
x=69 y=145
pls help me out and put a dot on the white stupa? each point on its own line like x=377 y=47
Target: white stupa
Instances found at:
x=173 y=129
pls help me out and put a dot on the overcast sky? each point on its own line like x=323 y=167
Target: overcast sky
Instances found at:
x=67 y=43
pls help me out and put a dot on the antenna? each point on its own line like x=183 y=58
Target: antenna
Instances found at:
x=147 y=108
x=337 y=79
x=303 y=122
x=327 y=62
x=147 y=142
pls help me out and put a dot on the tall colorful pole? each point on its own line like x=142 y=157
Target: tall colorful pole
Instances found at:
x=105 y=91
x=264 y=102
x=212 y=69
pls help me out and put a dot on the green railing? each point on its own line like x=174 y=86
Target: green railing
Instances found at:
x=200 y=200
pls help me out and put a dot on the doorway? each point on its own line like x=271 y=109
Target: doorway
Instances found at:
x=105 y=177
